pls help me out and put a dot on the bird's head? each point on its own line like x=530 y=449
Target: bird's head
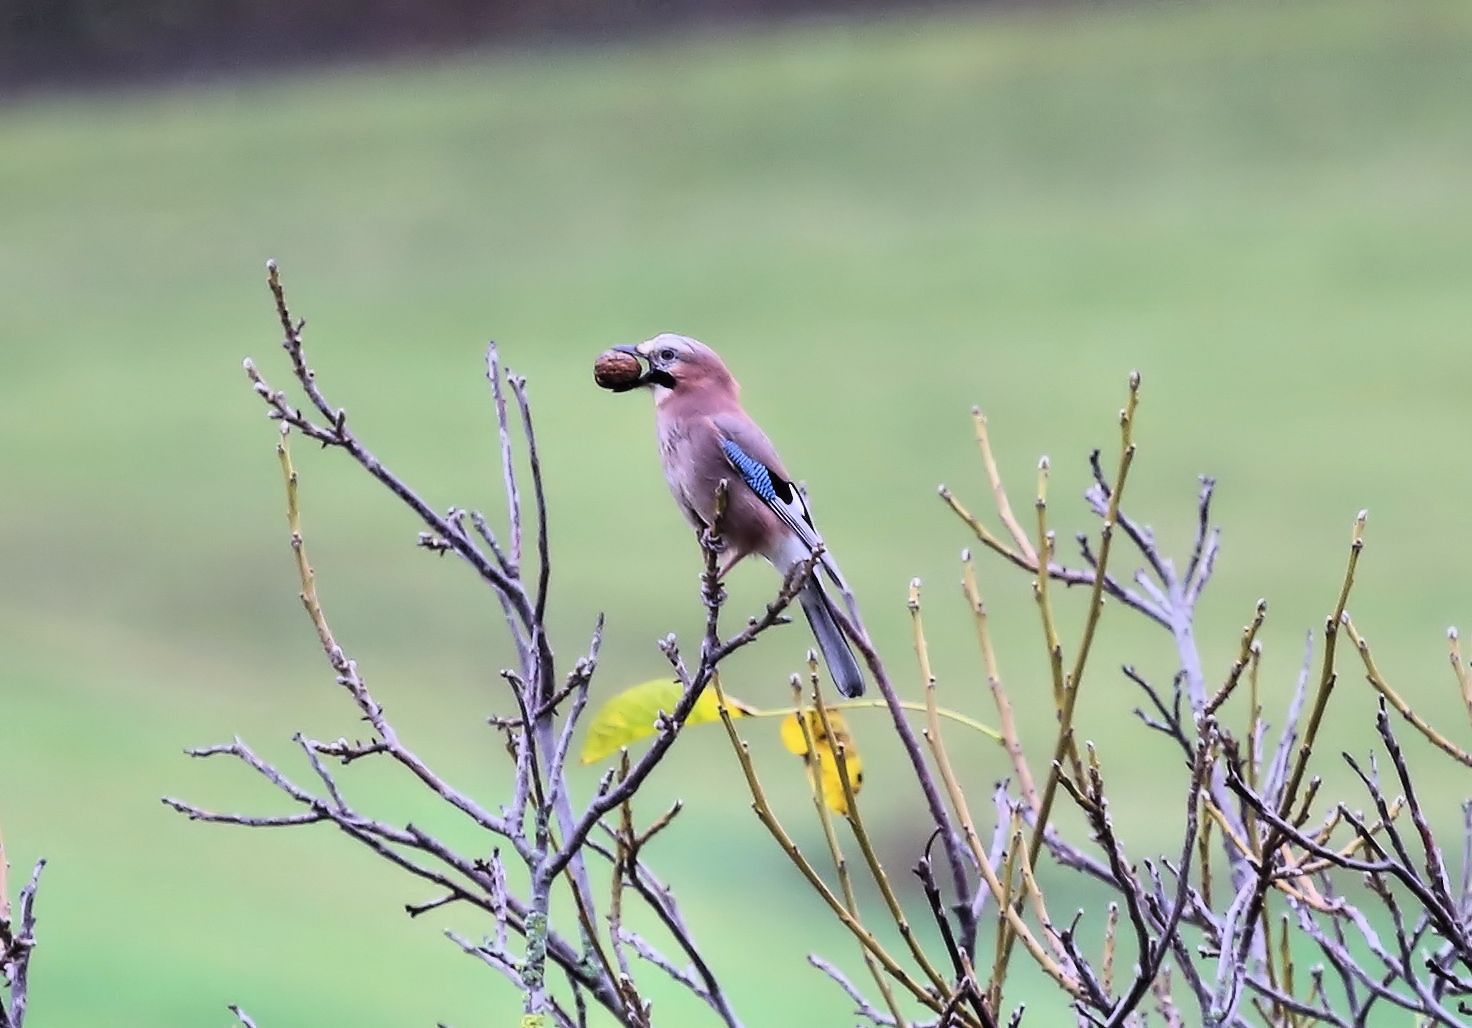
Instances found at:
x=677 y=364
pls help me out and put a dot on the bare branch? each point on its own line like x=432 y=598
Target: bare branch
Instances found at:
x=16 y=946
x=241 y=1016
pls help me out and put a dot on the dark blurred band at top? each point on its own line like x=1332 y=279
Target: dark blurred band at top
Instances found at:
x=77 y=42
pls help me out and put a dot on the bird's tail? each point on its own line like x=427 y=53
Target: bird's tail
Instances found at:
x=837 y=654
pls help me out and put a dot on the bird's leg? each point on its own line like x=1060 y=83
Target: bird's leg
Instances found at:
x=716 y=543
x=710 y=539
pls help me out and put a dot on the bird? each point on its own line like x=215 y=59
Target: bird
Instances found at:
x=705 y=435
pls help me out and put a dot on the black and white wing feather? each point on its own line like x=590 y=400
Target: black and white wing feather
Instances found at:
x=785 y=500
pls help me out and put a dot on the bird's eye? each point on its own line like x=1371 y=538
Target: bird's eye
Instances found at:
x=666 y=354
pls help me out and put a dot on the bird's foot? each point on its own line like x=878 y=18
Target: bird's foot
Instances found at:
x=712 y=541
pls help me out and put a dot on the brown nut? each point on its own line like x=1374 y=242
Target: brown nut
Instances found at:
x=617 y=370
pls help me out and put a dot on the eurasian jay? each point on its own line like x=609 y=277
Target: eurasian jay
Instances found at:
x=705 y=436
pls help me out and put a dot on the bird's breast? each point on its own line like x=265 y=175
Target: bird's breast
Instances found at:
x=677 y=457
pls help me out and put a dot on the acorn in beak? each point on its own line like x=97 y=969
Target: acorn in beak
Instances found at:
x=619 y=369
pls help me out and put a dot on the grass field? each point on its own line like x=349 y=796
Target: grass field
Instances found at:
x=1263 y=208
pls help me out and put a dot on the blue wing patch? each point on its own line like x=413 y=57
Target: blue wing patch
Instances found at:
x=756 y=475
x=753 y=472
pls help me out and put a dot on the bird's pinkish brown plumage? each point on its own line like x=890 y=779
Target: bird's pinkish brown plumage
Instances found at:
x=705 y=436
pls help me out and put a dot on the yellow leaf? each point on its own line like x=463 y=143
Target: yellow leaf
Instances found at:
x=826 y=758
x=629 y=716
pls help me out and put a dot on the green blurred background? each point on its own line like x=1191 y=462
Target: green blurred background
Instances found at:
x=1262 y=207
